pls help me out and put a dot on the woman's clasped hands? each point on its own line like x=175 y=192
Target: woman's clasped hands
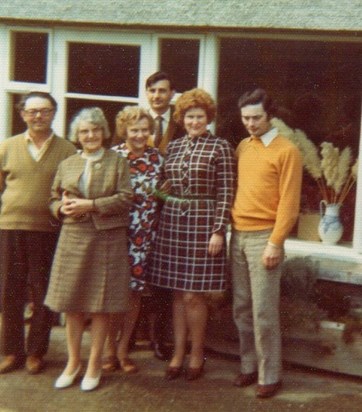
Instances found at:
x=75 y=207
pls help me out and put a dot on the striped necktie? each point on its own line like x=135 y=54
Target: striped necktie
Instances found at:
x=158 y=130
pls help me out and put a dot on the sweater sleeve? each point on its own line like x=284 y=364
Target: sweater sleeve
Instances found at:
x=56 y=194
x=289 y=190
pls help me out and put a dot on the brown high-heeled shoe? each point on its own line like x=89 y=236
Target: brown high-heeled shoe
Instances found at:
x=128 y=366
x=173 y=372
x=111 y=364
x=195 y=373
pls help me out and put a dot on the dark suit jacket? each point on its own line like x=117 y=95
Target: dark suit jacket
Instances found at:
x=173 y=131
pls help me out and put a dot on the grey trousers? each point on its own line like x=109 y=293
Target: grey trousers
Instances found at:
x=256 y=301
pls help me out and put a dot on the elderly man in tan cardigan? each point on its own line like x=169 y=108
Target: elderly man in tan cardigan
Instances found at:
x=28 y=233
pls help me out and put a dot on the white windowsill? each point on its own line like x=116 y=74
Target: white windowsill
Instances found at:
x=340 y=251
x=337 y=263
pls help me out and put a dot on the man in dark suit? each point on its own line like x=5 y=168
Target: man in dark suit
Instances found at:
x=160 y=91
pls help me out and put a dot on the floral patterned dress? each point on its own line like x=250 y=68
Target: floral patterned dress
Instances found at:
x=145 y=171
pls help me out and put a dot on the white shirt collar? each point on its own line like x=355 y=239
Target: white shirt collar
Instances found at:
x=166 y=116
x=269 y=136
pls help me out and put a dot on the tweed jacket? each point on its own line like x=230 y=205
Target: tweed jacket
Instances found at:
x=110 y=187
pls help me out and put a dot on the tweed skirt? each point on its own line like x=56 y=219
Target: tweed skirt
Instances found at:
x=180 y=259
x=90 y=271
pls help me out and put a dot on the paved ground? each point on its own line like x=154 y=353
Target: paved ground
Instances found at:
x=147 y=391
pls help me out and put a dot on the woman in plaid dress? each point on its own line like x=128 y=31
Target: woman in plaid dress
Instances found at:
x=190 y=249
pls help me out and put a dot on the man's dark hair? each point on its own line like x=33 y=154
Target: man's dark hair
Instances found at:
x=258 y=96
x=158 y=76
x=20 y=106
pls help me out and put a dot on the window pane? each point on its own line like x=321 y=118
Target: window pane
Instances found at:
x=317 y=84
x=17 y=124
x=30 y=57
x=110 y=110
x=110 y=70
x=180 y=59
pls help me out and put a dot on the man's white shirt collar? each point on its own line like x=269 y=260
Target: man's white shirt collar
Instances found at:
x=166 y=116
x=269 y=136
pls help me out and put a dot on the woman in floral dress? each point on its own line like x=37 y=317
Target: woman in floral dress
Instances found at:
x=134 y=125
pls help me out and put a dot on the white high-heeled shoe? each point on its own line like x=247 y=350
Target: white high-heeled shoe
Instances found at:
x=66 y=380
x=88 y=384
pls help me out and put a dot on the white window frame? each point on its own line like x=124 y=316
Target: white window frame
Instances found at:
x=9 y=87
x=62 y=38
x=208 y=60
x=351 y=253
x=149 y=62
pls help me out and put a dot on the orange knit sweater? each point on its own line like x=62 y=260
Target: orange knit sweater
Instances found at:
x=269 y=185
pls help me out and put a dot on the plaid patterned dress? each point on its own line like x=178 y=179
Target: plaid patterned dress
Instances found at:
x=202 y=173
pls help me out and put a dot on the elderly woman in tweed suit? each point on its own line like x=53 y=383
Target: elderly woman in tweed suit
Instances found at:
x=91 y=195
x=190 y=250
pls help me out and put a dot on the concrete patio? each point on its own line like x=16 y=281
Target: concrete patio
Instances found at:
x=147 y=391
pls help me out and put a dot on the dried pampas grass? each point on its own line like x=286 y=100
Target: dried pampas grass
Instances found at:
x=330 y=168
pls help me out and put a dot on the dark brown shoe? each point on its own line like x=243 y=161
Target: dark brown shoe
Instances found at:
x=11 y=363
x=173 y=372
x=245 y=379
x=267 y=391
x=195 y=373
x=34 y=364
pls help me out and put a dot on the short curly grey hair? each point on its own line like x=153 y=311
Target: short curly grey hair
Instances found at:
x=92 y=115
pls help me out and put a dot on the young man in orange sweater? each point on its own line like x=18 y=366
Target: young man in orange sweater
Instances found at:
x=265 y=209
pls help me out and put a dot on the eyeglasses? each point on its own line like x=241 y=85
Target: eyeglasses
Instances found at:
x=42 y=112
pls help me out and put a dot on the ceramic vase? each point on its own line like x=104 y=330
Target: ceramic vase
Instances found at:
x=330 y=228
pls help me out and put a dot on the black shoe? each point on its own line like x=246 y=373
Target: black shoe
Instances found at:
x=162 y=352
x=195 y=373
x=173 y=372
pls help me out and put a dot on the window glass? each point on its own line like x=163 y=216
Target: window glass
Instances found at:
x=110 y=110
x=110 y=70
x=17 y=124
x=316 y=84
x=29 y=57
x=180 y=58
